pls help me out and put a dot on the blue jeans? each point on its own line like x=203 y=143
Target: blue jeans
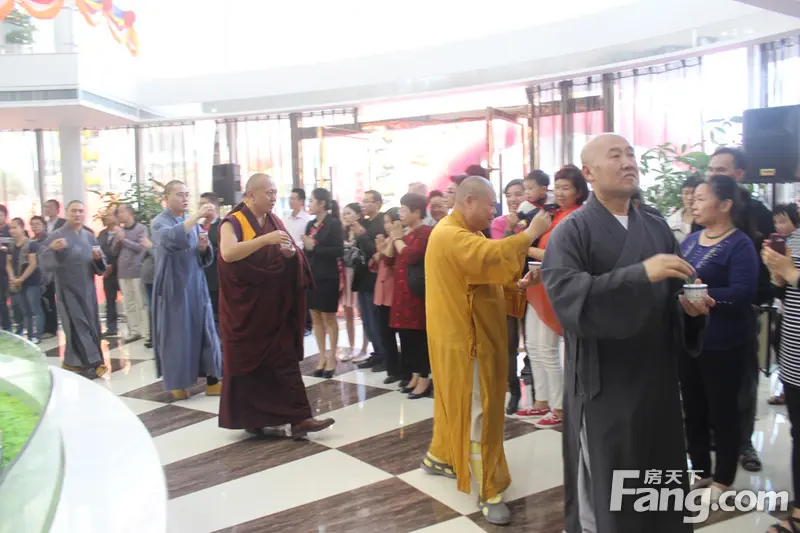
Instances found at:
x=28 y=303
x=372 y=324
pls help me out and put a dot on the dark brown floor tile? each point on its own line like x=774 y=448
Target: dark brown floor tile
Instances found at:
x=542 y=512
x=330 y=395
x=309 y=364
x=155 y=392
x=172 y=417
x=397 y=451
x=233 y=462
x=391 y=506
x=401 y=450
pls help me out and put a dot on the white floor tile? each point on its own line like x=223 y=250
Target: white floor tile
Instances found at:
x=193 y=440
x=534 y=461
x=749 y=523
x=373 y=417
x=457 y=525
x=322 y=475
x=201 y=402
x=367 y=377
x=140 y=406
x=140 y=375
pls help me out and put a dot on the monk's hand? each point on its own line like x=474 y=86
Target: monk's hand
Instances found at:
x=202 y=242
x=58 y=244
x=205 y=212
x=697 y=308
x=663 y=266
x=147 y=243
x=533 y=277
x=277 y=237
x=539 y=225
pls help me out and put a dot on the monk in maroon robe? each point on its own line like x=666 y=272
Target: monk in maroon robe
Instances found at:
x=262 y=315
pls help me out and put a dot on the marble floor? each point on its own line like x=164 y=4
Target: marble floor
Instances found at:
x=362 y=475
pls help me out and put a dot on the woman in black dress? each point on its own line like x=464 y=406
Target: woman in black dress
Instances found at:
x=324 y=247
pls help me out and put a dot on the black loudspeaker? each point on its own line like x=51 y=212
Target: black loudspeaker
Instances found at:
x=771 y=138
x=227 y=183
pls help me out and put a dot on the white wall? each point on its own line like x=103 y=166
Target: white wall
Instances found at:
x=37 y=71
x=532 y=51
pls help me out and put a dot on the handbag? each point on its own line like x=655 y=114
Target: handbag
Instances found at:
x=416 y=279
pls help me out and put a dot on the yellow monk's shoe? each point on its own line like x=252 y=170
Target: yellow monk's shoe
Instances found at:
x=101 y=370
x=180 y=394
x=73 y=369
x=214 y=390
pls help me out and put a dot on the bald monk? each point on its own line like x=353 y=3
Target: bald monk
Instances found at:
x=613 y=273
x=465 y=304
x=262 y=315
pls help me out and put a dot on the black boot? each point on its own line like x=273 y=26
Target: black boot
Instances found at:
x=513 y=404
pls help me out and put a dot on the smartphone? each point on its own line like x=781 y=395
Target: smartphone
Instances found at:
x=778 y=243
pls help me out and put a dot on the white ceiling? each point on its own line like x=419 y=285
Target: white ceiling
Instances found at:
x=55 y=116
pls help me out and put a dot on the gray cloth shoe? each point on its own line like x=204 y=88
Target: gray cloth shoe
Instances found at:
x=496 y=513
x=435 y=468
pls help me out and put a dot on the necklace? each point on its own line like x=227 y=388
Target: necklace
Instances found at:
x=713 y=237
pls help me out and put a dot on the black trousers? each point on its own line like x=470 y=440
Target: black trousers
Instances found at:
x=514 y=327
x=5 y=315
x=414 y=345
x=49 y=309
x=111 y=289
x=396 y=365
x=792 y=393
x=214 y=295
x=748 y=392
x=710 y=387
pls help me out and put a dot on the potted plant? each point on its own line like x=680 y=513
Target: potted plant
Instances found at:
x=145 y=198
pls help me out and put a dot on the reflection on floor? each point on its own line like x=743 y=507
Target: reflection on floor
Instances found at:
x=362 y=475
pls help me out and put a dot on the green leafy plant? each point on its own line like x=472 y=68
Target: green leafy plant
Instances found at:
x=19 y=28
x=145 y=198
x=670 y=165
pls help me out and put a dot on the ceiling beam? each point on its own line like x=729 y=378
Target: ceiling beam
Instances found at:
x=785 y=7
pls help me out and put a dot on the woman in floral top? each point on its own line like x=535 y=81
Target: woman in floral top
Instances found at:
x=408 y=310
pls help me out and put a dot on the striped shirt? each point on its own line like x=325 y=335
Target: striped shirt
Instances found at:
x=789 y=358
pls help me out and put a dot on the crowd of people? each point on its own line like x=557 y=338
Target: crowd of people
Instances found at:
x=446 y=291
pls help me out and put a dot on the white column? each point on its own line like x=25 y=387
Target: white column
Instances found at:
x=73 y=184
x=65 y=29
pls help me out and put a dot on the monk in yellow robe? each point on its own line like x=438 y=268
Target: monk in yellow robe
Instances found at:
x=465 y=277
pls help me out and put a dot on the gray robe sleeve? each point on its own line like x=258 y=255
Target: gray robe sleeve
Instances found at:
x=206 y=259
x=689 y=331
x=170 y=238
x=48 y=258
x=607 y=306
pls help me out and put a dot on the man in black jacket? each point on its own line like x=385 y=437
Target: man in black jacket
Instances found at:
x=732 y=162
x=212 y=271
x=110 y=279
x=364 y=280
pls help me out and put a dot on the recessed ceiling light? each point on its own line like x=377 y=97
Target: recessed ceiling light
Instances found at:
x=213 y=109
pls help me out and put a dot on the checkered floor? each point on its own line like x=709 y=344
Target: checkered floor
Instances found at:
x=361 y=475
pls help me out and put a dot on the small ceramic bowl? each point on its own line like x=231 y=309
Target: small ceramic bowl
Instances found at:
x=695 y=292
x=534 y=265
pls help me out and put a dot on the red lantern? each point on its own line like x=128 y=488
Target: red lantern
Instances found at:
x=130 y=18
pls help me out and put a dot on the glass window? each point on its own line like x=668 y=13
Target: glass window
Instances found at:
x=18 y=180
x=266 y=146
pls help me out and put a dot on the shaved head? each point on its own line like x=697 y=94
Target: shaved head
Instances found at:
x=256 y=182
x=171 y=185
x=261 y=192
x=598 y=145
x=476 y=201
x=473 y=186
x=610 y=166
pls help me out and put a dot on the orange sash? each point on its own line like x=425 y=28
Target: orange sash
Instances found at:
x=536 y=294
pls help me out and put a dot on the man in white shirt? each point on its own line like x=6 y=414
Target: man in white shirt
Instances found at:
x=298 y=219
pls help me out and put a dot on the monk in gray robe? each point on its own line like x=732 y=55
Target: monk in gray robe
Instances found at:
x=185 y=340
x=72 y=255
x=613 y=274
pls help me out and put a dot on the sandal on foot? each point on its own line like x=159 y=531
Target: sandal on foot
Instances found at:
x=436 y=468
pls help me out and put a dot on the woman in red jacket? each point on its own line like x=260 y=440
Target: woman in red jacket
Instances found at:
x=408 y=309
x=542 y=331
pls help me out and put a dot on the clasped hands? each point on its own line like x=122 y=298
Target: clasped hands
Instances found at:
x=781 y=267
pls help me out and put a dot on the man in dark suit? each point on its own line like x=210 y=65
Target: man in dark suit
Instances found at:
x=51 y=210
x=110 y=279
x=5 y=241
x=212 y=271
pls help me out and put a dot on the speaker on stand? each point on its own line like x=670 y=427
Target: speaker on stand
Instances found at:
x=771 y=139
x=227 y=183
